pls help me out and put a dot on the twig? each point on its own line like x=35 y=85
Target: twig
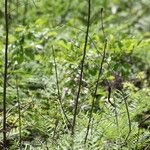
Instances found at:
x=5 y=75
x=97 y=82
x=82 y=67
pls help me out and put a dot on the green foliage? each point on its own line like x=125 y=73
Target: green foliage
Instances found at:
x=36 y=29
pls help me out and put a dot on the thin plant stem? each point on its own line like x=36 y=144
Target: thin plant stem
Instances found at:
x=102 y=23
x=5 y=75
x=19 y=114
x=82 y=68
x=95 y=92
x=109 y=96
x=58 y=89
x=117 y=122
x=97 y=82
x=128 y=115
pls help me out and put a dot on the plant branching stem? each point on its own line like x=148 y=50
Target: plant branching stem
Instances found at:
x=82 y=68
x=5 y=75
x=97 y=82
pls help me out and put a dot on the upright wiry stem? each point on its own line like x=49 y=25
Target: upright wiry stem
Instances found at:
x=58 y=90
x=128 y=115
x=19 y=114
x=95 y=92
x=82 y=67
x=5 y=75
x=97 y=82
